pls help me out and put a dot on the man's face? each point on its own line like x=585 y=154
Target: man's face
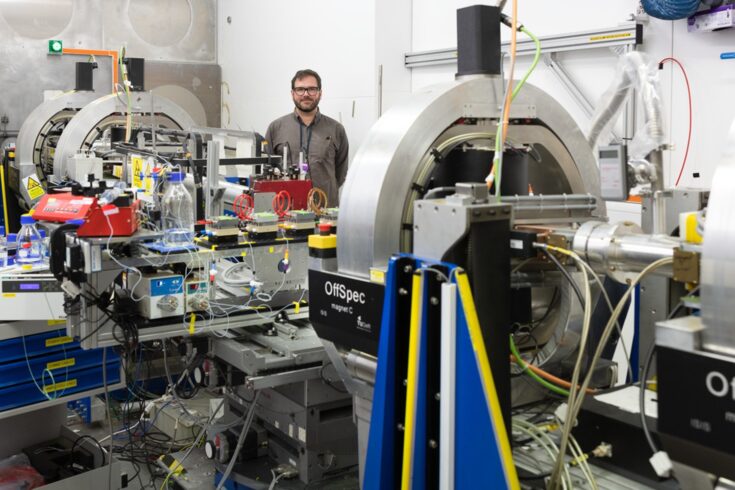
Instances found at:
x=306 y=94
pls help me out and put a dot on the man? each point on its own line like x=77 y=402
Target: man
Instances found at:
x=306 y=133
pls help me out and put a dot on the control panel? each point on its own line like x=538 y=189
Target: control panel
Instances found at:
x=160 y=295
x=60 y=208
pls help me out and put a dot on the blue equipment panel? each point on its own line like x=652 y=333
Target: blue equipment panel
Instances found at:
x=42 y=343
x=166 y=285
x=58 y=364
x=65 y=384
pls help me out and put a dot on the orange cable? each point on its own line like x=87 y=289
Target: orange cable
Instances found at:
x=550 y=377
x=97 y=52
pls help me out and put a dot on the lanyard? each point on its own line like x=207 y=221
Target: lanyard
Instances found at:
x=308 y=139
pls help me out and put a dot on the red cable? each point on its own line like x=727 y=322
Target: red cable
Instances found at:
x=243 y=206
x=689 y=135
x=282 y=203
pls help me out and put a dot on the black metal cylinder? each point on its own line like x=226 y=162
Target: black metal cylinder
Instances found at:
x=84 y=79
x=472 y=164
x=136 y=73
x=117 y=134
x=478 y=40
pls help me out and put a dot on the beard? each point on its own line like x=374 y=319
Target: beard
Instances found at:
x=307 y=105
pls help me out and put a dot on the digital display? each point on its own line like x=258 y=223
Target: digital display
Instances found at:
x=609 y=154
x=30 y=286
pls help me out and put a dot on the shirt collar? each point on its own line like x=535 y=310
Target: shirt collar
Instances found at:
x=317 y=118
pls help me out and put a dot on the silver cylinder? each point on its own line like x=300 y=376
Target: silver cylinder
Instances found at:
x=622 y=250
x=361 y=366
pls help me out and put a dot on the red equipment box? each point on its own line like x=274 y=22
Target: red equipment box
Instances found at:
x=60 y=208
x=297 y=189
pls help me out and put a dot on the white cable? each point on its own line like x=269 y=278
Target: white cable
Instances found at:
x=578 y=366
x=573 y=410
x=546 y=443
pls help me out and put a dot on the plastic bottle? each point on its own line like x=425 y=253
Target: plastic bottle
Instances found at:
x=111 y=194
x=177 y=212
x=3 y=248
x=303 y=167
x=30 y=244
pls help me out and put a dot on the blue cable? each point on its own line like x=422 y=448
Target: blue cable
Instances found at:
x=670 y=9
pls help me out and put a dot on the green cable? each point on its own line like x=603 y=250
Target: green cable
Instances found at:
x=536 y=377
x=537 y=56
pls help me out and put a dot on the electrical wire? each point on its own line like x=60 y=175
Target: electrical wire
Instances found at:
x=317 y=200
x=584 y=335
x=240 y=441
x=545 y=442
x=603 y=291
x=573 y=408
x=516 y=356
x=536 y=373
x=107 y=410
x=644 y=379
x=501 y=133
x=689 y=97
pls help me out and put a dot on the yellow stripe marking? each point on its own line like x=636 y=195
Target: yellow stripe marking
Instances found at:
x=72 y=383
x=611 y=36
x=491 y=396
x=58 y=341
x=414 y=344
x=61 y=364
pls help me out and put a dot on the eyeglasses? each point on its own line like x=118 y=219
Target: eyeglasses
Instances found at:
x=303 y=90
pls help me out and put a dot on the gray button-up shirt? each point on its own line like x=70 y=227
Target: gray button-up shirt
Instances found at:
x=325 y=148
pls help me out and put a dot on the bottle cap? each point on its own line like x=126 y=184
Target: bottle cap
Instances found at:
x=176 y=177
x=27 y=219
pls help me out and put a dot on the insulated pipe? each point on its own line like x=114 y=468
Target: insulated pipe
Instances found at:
x=622 y=250
x=634 y=74
x=361 y=366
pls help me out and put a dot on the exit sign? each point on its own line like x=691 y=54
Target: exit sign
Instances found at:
x=55 y=46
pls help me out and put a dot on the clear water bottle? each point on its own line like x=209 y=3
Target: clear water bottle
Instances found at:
x=3 y=248
x=111 y=194
x=177 y=212
x=29 y=242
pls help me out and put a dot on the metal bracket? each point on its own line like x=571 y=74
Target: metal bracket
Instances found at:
x=628 y=34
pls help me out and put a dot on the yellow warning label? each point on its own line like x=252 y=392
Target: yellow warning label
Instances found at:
x=8 y=295
x=61 y=364
x=35 y=190
x=72 y=383
x=271 y=250
x=58 y=341
x=192 y=324
x=137 y=169
x=55 y=322
x=607 y=37
x=117 y=171
x=148 y=181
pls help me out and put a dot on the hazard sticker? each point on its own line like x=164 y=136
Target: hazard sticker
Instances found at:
x=34 y=188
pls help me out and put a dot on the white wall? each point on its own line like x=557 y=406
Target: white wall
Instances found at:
x=346 y=41
x=265 y=42
x=434 y=27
